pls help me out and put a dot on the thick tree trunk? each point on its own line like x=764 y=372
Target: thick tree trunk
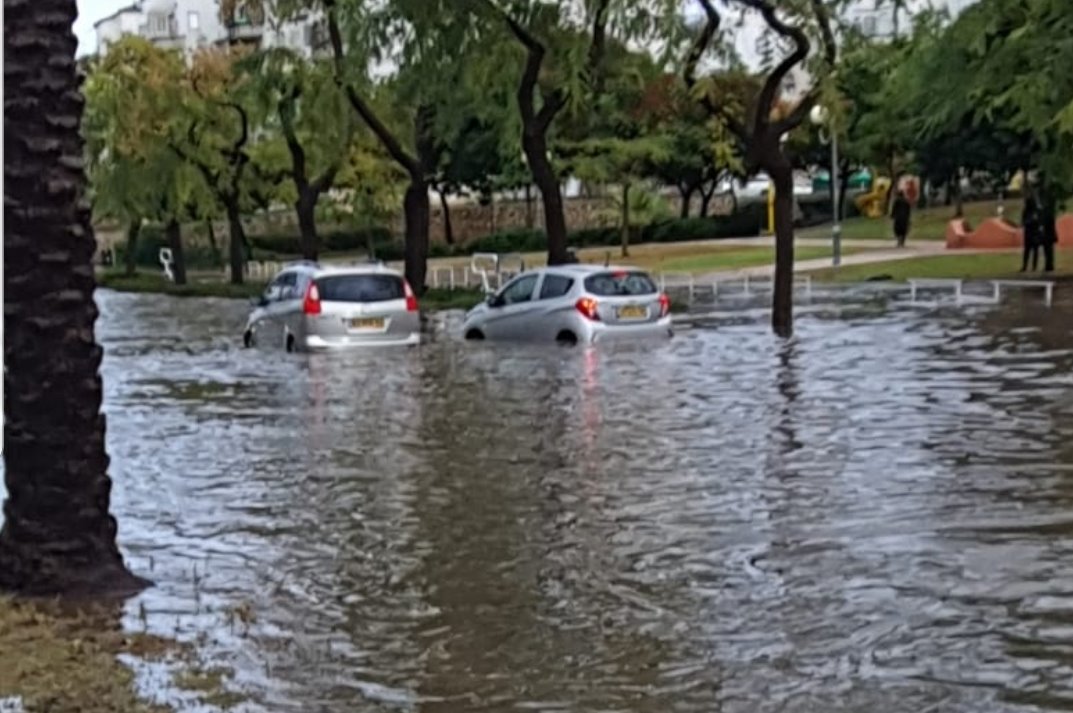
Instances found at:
x=706 y=200
x=174 y=233
x=782 y=309
x=534 y=143
x=58 y=536
x=305 y=208
x=625 y=220
x=687 y=197
x=959 y=202
x=416 y=213
x=448 y=231
x=236 y=243
x=130 y=259
x=210 y=232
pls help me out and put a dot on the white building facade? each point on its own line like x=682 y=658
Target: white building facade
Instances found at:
x=190 y=25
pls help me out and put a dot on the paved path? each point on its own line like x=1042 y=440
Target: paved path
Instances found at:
x=913 y=250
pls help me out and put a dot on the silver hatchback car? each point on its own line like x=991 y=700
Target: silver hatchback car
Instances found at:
x=573 y=304
x=309 y=307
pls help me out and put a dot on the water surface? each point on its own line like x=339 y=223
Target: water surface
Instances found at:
x=875 y=516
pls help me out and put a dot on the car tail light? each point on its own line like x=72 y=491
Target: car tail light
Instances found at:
x=588 y=307
x=311 y=302
x=411 y=298
x=664 y=305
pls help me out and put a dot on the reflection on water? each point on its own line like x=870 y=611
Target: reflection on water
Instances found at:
x=877 y=516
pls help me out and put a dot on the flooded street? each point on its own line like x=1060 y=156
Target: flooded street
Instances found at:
x=876 y=516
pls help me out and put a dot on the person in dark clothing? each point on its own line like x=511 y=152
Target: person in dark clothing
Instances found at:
x=900 y=215
x=1032 y=227
x=1048 y=233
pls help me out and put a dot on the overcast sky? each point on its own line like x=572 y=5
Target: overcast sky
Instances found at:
x=89 y=11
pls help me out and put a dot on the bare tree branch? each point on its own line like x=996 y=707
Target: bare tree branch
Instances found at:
x=802 y=46
x=689 y=73
x=830 y=55
x=391 y=143
x=598 y=45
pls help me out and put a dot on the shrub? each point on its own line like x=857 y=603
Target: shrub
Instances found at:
x=509 y=241
x=336 y=240
x=744 y=223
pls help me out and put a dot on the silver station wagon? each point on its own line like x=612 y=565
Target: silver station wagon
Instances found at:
x=573 y=304
x=309 y=307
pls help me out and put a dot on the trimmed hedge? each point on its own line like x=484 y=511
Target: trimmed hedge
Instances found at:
x=747 y=222
x=291 y=243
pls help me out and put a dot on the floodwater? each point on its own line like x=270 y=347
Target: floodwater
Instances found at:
x=875 y=516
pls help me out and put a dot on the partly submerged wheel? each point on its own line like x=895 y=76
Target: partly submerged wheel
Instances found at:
x=247 y=339
x=566 y=338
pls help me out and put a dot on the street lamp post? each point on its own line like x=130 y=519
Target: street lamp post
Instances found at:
x=819 y=117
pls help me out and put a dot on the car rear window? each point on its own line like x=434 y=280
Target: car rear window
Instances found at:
x=611 y=284
x=360 y=288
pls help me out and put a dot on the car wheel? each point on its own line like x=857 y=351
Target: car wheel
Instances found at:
x=566 y=338
x=247 y=339
x=475 y=335
x=290 y=344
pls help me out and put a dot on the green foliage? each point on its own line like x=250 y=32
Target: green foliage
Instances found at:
x=131 y=100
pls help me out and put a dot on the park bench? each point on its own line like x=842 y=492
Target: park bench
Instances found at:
x=1046 y=285
x=918 y=283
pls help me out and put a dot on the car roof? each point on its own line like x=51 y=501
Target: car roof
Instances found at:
x=586 y=270
x=358 y=268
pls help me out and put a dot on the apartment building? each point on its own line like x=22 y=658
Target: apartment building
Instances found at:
x=189 y=25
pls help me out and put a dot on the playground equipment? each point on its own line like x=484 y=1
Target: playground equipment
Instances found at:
x=873 y=204
x=166 y=262
x=489 y=265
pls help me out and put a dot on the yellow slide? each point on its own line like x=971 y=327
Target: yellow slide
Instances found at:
x=874 y=203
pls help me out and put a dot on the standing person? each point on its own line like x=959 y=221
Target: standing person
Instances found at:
x=1048 y=232
x=899 y=213
x=1032 y=226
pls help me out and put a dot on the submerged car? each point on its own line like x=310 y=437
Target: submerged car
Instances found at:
x=573 y=304
x=309 y=307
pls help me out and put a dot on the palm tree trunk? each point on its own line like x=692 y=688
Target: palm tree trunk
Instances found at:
x=58 y=536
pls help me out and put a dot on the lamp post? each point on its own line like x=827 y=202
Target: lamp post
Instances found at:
x=821 y=118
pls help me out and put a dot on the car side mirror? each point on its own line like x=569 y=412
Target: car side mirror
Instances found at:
x=495 y=300
x=260 y=301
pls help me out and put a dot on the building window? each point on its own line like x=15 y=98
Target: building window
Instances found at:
x=193 y=22
x=158 y=24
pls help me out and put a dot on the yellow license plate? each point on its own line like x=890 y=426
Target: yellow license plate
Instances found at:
x=367 y=323
x=632 y=312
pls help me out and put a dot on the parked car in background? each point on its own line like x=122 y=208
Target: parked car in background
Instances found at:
x=309 y=307
x=573 y=304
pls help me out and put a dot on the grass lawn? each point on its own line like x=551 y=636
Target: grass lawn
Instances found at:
x=927 y=224
x=714 y=259
x=155 y=283
x=978 y=266
x=56 y=657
